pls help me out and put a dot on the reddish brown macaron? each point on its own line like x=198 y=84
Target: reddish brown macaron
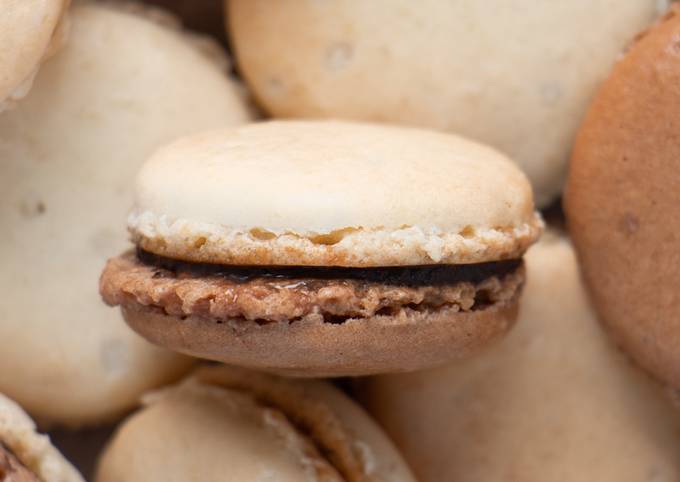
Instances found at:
x=623 y=200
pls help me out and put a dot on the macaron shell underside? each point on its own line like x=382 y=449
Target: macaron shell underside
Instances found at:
x=378 y=344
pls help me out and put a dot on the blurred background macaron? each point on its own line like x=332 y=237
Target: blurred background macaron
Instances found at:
x=200 y=16
x=554 y=402
x=325 y=248
x=226 y=424
x=68 y=153
x=26 y=455
x=515 y=75
x=30 y=31
x=623 y=196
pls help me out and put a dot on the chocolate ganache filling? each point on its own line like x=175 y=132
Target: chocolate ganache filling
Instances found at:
x=423 y=275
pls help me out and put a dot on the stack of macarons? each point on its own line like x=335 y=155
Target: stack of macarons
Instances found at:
x=352 y=195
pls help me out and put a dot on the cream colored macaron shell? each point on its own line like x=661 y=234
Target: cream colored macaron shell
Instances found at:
x=516 y=75
x=332 y=193
x=30 y=30
x=232 y=425
x=33 y=450
x=69 y=151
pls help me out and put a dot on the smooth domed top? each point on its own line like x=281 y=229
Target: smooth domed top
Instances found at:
x=320 y=176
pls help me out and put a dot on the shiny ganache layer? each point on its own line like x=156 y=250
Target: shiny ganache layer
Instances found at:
x=423 y=275
x=285 y=294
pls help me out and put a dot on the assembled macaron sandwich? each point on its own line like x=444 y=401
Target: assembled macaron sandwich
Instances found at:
x=325 y=247
x=622 y=200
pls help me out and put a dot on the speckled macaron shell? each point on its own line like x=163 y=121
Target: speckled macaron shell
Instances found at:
x=622 y=200
x=34 y=451
x=332 y=193
x=232 y=424
x=30 y=30
x=120 y=87
x=556 y=401
x=515 y=75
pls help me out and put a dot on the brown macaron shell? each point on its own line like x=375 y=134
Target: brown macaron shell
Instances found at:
x=324 y=248
x=623 y=196
x=312 y=349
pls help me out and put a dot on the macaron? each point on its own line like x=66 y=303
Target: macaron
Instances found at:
x=26 y=455
x=324 y=247
x=515 y=75
x=556 y=401
x=622 y=200
x=121 y=86
x=226 y=424
x=30 y=31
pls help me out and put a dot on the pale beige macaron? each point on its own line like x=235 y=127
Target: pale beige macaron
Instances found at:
x=516 y=75
x=324 y=247
x=30 y=31
x=68 y=153
x=26 y=455
x=227 y=424
x=554 y=402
